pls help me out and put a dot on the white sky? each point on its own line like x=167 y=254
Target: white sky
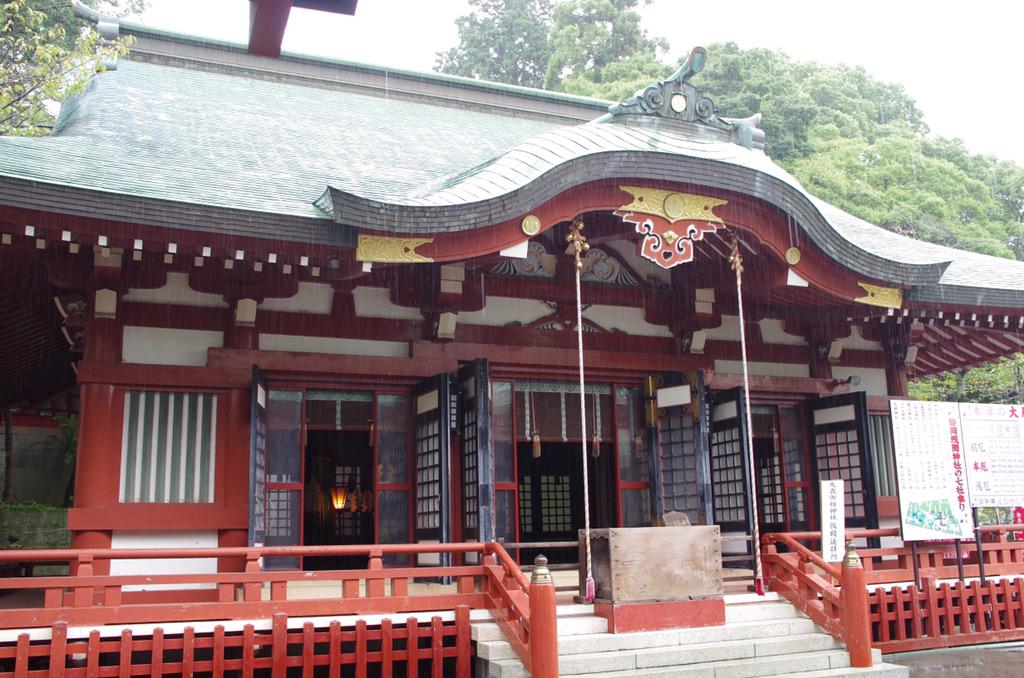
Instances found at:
x=961 y=61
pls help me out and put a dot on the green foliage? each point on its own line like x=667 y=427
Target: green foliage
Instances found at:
x=29 y=506
x=501 y=40
x=44 y=59
x=587 y=36
x=620 y=79
x=1002 y=382
x=862 y=145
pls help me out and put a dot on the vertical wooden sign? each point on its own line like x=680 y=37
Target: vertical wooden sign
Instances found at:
x=833 y=521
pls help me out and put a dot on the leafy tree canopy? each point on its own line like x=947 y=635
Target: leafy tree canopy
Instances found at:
x=501 y=40
x=587 y=36
x=46 y=55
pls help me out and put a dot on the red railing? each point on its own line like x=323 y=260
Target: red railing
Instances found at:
x=189 y=622
x=913 y=609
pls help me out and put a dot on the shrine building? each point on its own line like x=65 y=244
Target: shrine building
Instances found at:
x=307 y=302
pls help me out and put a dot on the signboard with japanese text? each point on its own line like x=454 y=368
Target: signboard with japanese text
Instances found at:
x=993 y=442
x=931 y=471
x=833 y=520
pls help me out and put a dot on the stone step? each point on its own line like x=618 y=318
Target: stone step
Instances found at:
x=770 y=651
x=573 y=625
x=497 y=649
x=760 y=611
x=834 y=662
x=876 y=671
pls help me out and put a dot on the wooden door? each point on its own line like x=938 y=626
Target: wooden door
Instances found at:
x=842 y=450
x=477 y=467
x=432 y=426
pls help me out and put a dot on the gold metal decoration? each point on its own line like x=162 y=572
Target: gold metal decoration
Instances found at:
x=793 y=256
x=578 y=244
x=654 y=212
x=672 y=206
x=530 y=225
x=390 y=250
x=886 y=297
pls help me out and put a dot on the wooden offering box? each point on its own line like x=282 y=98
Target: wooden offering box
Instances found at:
x=649 y=578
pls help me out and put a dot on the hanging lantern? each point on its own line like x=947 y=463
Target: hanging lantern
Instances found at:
x=638 y=446
x=339 y=498
x=535 y=441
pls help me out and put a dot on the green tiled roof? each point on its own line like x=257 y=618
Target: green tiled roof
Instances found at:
x=256 y=156
x=188 y=136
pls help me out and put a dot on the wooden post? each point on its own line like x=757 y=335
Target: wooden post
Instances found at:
x=8 y=495
x=543 y=622
x=856 y=615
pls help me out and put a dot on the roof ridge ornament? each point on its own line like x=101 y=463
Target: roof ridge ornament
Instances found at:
x=677 y=99
x=109 y=27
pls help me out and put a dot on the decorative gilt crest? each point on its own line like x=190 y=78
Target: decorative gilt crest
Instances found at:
x=390 y=250
x=677 y=99
x=886 y=297
x=669 y=222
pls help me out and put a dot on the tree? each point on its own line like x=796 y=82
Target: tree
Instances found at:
x=501 y=40
x=588 y=36
x=45 y=58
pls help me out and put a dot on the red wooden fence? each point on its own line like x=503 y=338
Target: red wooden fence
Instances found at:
x=910 y=615
x=438 y=649
x=440 y=646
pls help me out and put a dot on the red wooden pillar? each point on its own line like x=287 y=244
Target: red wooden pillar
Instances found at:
x=856 y=615
x=896 y=341
x=97 y=463
x=233 y=472
x=543 y=622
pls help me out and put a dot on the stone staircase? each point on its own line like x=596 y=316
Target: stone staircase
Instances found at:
x=762 y=636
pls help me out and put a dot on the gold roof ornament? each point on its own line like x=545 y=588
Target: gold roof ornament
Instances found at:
x=886 y=297
x=391 y=250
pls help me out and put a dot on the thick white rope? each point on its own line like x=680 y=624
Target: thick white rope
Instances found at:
x=583 y=428
x=738 y=266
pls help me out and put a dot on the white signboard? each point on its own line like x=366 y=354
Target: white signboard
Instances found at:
x=833 y=521
x=993 y=444
x=931 y=471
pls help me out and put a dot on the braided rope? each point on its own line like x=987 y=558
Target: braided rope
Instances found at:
x=737 y=264
x=578 y=247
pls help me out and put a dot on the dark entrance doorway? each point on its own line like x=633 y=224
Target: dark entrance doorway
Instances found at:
x=551 y=496
x=339 y=497
x=782 y=468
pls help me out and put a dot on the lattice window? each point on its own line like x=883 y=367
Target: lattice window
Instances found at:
x=727 y=481
x=470 y=472
x=679 y=464
x=282 y=513
x=168 y=447
x=556 y=503
x=525 y=506
x=770 y=489
x=428 y=474
x=838 y=455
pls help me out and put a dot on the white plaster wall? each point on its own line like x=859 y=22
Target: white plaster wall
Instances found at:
x=773 y=332
x=857 y=342
x=176 y=291
x=729 y=330
x=501 y=311
x=625 y=319
x=160 y=346
x=375 y=302
x=138 y=539
x=362 y=347
x=872 y=379
x=763 y=369
x=310 y=298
